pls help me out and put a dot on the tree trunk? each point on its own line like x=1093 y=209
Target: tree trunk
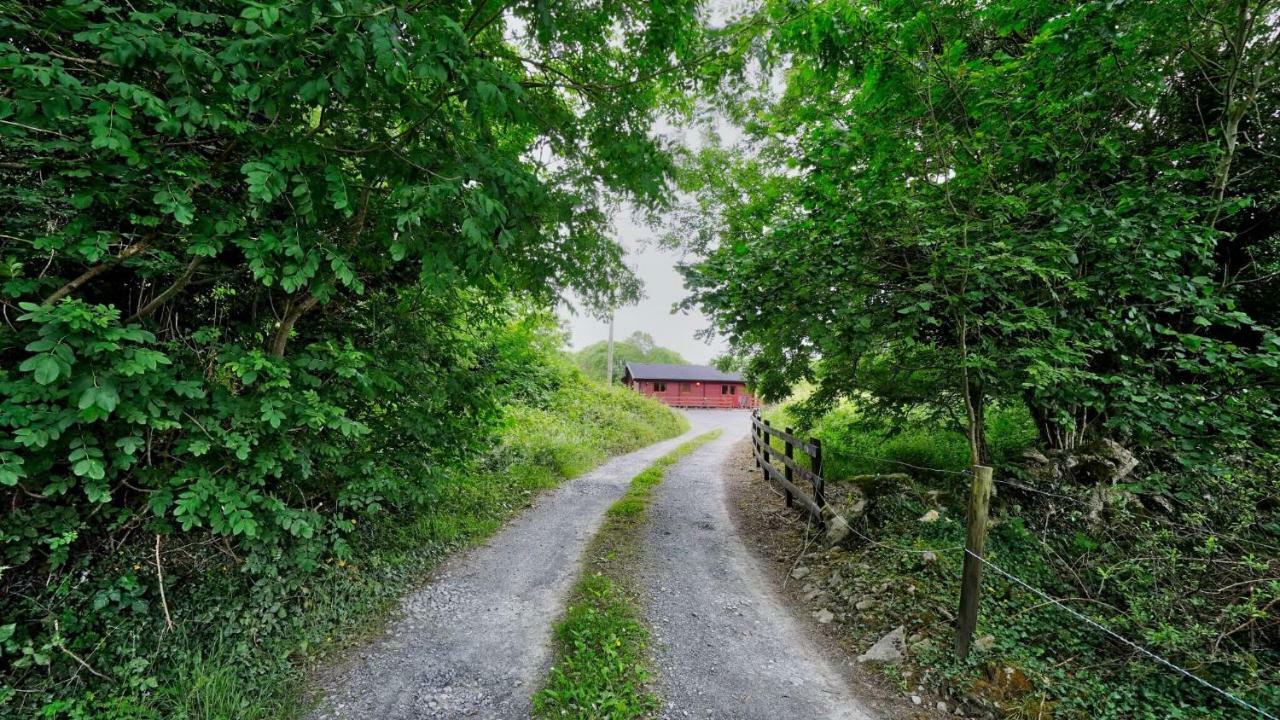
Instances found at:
x=976 y=406
x=293 y=311
x=94 y=272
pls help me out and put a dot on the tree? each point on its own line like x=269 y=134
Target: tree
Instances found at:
x=638 y=347
x=914 y=196
x=255 y=255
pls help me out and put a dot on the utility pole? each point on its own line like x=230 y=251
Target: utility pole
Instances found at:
x=608 y=373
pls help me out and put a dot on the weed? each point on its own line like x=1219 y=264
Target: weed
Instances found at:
x=601 y=671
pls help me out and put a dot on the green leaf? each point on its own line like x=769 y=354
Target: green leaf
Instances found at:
x=46 y=369
x=11 y=470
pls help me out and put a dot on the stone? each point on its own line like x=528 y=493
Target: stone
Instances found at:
x=837 y=531
x=931 y=516
x=942 y=707
x=984 y=643
x=928 y=557
x=824 y=616
x=865 y=604
x=923 y=647
x=888 y=649
x=800 y=573
x=916 y=700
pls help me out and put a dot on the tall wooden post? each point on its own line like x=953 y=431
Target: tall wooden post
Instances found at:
x=789 y=451
x=819 y=483
x=975 y=543
x=755 y=434
x=764 y=450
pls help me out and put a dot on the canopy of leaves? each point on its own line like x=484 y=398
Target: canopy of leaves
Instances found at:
x=259 y=264
x=1072 y=208
x=593 y=359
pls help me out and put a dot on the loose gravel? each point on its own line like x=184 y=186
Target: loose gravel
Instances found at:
x=725 y=646
x=475 y=641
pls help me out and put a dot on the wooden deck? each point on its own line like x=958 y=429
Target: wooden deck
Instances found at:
x=727 y=402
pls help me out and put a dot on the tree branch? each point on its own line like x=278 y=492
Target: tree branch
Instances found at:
x=291 y=315
x=169 y=292
x=95 y=271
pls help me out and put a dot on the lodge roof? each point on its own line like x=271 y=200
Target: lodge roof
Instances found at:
x=680 y=373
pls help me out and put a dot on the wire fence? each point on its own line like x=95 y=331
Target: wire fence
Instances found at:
x=1057 y=602
x=1118 y=637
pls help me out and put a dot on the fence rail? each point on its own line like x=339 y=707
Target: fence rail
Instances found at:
x=979 y=502
x=705 y=401
x=785 y=478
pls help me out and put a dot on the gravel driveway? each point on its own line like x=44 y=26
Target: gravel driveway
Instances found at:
x=475 y=642
x=725 y=646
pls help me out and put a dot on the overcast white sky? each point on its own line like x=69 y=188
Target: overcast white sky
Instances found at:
x=663 y=284
x=663 y=288
x=655 y=265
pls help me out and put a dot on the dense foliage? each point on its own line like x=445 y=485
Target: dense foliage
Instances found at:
x=257 y=267
x=637 y=347
x=1071 y=209
x=1197 y=594
x=1054 y=222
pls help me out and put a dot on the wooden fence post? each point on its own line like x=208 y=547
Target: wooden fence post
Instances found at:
x=755 y=435
x=819 y=482
x=764 y=450
x=789 y=451
x=974 y=544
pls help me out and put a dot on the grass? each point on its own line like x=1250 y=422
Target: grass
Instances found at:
x=1132 y=571
x=854 y=443
x=257 y=668
x=601 y=670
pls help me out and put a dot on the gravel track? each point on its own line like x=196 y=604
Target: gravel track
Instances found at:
x=475 y=641
x=725 y=646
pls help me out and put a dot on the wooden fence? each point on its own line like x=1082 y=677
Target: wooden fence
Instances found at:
x=785 y=478
x=708 y=401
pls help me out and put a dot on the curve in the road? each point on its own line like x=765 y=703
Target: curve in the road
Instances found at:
x=475 y=641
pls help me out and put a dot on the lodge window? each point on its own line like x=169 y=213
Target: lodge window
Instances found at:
x=659 y=387
x=724 y=389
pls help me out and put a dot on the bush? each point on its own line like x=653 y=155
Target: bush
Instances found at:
x=1187 y=574
x=249 y=615
x=857 y=443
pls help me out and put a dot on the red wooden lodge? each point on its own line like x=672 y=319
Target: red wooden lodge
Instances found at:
x=690 y=386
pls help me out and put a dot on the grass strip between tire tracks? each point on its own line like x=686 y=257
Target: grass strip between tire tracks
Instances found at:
x=601 y=670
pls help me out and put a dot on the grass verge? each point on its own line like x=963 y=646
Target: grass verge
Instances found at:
x=256 y=666
x=600 y=670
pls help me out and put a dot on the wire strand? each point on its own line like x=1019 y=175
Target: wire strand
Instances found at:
x=906 y=464
x=1117 y=636
x=1203 y=532
x=896 y=548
